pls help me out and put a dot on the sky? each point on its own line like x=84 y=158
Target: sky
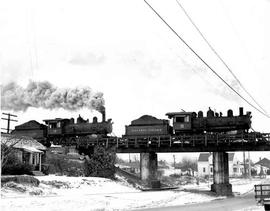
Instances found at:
x=122 y=49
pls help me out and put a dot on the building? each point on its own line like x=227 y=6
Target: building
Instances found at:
x=262 y=167
x=205 y=165
x=27 y=149
x=31 y=129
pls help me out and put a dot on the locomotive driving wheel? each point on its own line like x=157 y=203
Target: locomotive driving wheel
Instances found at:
x=71 y=141
x=63 y=141
x=56 y=141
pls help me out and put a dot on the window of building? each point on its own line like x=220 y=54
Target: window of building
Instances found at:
x=235 y=170
x=203 y=169
x=211 y=169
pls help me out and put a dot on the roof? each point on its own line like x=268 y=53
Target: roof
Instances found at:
x=203 y=157
x=231 y=156
x=30 y=125
x=172 y=114
x=264 y=162
x=31 y=149
x=56 y=120
x=21 y=142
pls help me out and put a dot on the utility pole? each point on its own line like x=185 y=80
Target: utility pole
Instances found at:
x=249 y=166
x=174 y=161
x=8 y=118
x=244 y=159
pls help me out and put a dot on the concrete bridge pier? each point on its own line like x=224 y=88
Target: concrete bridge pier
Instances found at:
x=221 y=184
x=148 y=169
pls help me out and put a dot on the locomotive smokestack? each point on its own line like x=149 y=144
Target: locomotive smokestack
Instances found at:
x=103 y=112
x=241 y=111
x=103 y=116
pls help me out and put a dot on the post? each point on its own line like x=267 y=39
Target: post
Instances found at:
x=39 y=161
x=244 y=161
x=31 y=159
x=148 y=169
x=221 y=174
x=174 y=161
x=249 y=167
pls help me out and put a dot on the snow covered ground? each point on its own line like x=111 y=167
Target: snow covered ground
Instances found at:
x=91 y=193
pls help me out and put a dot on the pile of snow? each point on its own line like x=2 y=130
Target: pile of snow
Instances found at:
x=93 y=193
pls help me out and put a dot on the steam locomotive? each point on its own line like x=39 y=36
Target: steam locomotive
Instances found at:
x=189 y=123
x=66 y=131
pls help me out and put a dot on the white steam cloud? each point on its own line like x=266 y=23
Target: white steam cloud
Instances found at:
x=47 y=96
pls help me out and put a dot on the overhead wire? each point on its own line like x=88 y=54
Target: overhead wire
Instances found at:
x=217 y=54
x=204 y=60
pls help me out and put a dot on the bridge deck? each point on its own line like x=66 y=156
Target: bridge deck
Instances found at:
x=187 y=143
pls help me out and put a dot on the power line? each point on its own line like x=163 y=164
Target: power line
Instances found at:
x=203 y=60
x=215 y=52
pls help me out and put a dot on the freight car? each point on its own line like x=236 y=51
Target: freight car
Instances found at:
x=189 y=123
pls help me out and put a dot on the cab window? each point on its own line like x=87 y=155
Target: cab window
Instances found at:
x=186 y=118
x=182 y=119
x=58 y=124
x=179 y=119
x=52 y=125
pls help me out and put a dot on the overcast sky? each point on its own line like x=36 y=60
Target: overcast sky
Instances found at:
x=122 y=49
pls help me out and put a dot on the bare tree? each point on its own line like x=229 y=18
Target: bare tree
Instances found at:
x=187 y=164
x=7 y=148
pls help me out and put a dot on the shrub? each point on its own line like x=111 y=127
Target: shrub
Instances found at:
x=14 y=167
x=101 y=163
x=63 y=165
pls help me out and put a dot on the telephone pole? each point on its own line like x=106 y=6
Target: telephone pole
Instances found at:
x=244 y=160
x=174 y=161
x=249 y=166
x=8 y=119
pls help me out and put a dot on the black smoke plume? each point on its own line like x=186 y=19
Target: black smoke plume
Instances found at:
x=47 y=96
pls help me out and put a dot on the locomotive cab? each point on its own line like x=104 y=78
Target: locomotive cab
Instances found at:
x=55 y=126
x=182 y=121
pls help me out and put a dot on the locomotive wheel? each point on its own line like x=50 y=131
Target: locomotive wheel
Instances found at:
x=72 y=141
x=63 y=141
x=55 y=141
x=68 y=141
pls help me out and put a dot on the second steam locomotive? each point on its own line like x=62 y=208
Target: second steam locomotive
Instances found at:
x=189 y=123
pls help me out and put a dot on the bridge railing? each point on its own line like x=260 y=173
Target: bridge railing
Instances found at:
x=195 y=140
x=201 y=140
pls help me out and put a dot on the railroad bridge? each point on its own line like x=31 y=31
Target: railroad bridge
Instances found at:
x=218 y=144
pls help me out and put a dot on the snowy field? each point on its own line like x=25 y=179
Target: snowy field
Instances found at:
x=91 y=193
